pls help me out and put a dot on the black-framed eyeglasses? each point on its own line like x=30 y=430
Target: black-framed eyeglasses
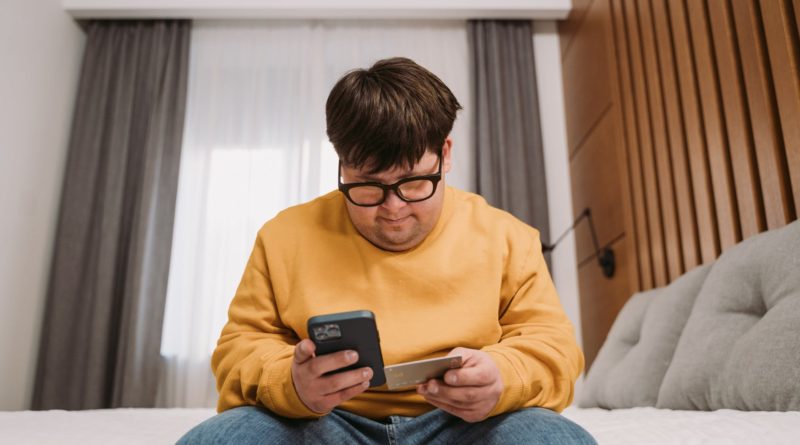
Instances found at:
x=411 y=189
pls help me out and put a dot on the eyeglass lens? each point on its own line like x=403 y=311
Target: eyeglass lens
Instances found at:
x=410 y=191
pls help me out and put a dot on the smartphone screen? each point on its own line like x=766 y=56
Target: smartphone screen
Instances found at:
x=355 y=330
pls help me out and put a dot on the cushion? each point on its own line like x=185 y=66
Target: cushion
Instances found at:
x=740 y=348
x=630 y=366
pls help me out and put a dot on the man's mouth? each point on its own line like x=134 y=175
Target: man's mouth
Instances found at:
x=395 y=221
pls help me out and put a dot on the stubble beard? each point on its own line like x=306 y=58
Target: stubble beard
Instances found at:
x=388 y=238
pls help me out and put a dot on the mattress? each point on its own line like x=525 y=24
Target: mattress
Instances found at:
x=104 y=426
x=625 y=426
x=662 y=426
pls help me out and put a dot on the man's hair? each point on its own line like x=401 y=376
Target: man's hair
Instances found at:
x=388 y=115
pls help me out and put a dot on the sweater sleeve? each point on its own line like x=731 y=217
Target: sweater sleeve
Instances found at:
x=538 y=357
x=253 y=358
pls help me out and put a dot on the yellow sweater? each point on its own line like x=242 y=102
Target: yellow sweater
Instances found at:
x=478 y=281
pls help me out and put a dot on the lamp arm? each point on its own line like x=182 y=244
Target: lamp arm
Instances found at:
x=605 y=256
x=584 y=214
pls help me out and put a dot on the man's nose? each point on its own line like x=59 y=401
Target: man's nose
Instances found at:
x=393 y=202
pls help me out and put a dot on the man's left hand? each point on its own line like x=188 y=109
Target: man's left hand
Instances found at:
x=470 y=392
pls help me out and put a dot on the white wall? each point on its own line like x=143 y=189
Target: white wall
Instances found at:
x=41 y=48
x=547 y=51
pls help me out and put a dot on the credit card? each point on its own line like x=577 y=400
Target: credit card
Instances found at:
x=407 y=374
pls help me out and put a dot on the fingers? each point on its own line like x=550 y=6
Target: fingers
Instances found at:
x=473 y=376
x=304 y=351
x=463 y=352
x=468 y=356
x=343 y=380
x=470 y=392
x=322 y=394
x=335 y=399
x=320 y=391
x=462 y=397
x=331 y=362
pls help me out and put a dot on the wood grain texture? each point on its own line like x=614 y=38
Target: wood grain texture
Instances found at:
x=761 y=102
x=796 y=7
x=568 y=27
x=663 y=163
x=637 y=227
x=716 y=139
x=676 y=141
x=705 y=214
x=601 y=299
x=700 y=102
x=783 y=44
x=617 y=116
x=597 y=188
x=737 y=119
x=653 y=72
x=585 y=66
x=645 y=142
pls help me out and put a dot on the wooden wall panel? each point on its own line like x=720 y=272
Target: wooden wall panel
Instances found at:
x=624 y=181
x=737 y=120
x=701 y=103
x=601 y=299
x=642 y=122
x=594 y=140
x=796 y=7
x=676 y=141
x=778 y=205
x=714 y=124
x=597 y=188
x=666 y=195
x=702 y=191
x=570 y=25
x=783 y=42
x=586 y=65
x=633 y=167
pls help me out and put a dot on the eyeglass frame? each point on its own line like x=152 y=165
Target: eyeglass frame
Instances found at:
x=435 y=178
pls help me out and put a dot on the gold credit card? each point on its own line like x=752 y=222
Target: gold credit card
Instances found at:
x=407 y=374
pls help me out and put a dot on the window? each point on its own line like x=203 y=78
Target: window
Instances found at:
x=254 y=143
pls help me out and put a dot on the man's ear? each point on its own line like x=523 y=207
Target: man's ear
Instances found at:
x=447 y=154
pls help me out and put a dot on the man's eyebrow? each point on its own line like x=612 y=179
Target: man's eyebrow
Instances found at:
x=372 y=178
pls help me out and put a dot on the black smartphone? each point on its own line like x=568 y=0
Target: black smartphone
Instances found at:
x=355 y=330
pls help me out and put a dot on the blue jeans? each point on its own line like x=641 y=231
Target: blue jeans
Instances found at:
x=254 y=425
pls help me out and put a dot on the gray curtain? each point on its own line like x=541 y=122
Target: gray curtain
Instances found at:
x=510 y=160
x=101 y=333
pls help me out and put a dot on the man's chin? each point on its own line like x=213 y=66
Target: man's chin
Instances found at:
x=397 y=241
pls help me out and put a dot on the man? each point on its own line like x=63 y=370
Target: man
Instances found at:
x=443 y=272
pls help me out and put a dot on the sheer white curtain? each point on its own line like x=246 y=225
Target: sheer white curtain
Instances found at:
x=255 y=144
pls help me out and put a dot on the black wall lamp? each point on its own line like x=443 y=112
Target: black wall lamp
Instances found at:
x=605 y=256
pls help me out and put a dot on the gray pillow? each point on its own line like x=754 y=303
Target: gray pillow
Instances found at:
x=631 y=364
x=741 y=345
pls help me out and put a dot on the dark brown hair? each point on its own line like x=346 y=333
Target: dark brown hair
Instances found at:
x=389 y=115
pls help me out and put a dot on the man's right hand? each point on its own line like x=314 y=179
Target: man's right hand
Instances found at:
x=321 y=393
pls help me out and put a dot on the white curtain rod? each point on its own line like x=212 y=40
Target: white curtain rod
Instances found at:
x=320 y=9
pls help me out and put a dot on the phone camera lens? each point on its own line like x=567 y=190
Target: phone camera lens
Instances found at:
x=333 y=331
x=327 y=332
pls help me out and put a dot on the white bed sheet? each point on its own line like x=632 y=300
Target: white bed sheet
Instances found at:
x=626 y=426
x=662 y=426
x=105 y=426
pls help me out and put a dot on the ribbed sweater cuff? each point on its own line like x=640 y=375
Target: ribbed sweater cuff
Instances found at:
x=277 y=391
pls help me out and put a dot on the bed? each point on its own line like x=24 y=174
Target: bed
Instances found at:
x=713 y=358
x=622 y=426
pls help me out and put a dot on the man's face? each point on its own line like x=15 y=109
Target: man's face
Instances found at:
x=397 y=225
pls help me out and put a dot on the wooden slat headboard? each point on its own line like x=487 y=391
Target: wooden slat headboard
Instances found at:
x=683 y=121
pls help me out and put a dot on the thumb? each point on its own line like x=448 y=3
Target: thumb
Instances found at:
x=303 y=351
x=468 y=356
